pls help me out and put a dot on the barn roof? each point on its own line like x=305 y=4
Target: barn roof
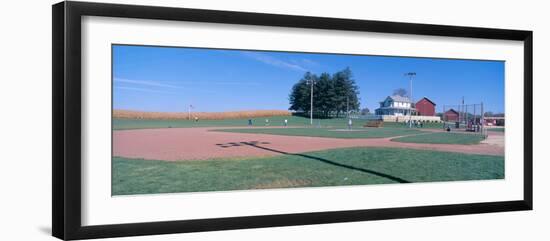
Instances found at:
x=451 y=110
x=427 y=100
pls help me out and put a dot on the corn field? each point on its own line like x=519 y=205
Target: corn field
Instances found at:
x=128 y=114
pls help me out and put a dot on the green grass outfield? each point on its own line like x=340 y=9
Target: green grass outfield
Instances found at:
x=337 y=167
x=329 y=132
x=442 y=138
x=496 y=129
x=123 y=124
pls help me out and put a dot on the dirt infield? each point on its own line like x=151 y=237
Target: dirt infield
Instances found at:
x=174 y=144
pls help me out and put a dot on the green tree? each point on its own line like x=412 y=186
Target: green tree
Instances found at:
x=324 y=93
x=345 y=91
x=300 y=95
x=401 y=92
x=333 y=94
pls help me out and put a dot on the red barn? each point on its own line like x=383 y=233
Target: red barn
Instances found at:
x=425 y=107
x=450 y=115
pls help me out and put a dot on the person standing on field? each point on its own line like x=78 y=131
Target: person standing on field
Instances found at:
x=349 y=124
x=286 y=123
x=266 y=122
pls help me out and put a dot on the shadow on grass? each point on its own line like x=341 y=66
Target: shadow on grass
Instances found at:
x=396 y=179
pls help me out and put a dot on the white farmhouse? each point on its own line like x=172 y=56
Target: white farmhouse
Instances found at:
x=396 y=105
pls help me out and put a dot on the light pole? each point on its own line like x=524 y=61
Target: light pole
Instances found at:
x=189 y=111
x=347 y=105
x=411 y=75
x=311 y=81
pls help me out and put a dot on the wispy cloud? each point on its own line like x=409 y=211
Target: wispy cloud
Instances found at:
x=143 y=90
x=309 y=62
x=208 y=82
x=181 y=84
x=146 y=83
x=266 y=59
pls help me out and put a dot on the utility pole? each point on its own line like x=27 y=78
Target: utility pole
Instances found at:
x=347 y=105
x=482 y=129
x=463 y=108
x=411 y=75
x=311 y=107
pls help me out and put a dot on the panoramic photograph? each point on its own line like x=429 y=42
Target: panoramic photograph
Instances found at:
x=201 y=120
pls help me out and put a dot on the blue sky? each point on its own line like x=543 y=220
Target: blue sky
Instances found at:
x=171 y=79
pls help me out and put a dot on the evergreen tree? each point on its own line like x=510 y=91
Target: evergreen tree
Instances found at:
x=300 y=96
x=346 y=92
x=324 y=94
x=333 y=94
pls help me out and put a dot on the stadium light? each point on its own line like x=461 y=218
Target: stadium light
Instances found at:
x=189 y=111
x=410 y=75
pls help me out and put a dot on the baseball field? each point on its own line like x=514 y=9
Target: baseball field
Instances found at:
x=259 y=151
x=192 y=119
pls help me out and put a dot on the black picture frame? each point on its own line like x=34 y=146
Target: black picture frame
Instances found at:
x=66 y=159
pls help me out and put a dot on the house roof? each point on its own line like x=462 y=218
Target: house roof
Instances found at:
x=395 y=108
x=399 y=98
x=427 y=100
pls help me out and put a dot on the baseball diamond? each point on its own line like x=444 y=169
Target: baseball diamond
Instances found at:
x=201 y=119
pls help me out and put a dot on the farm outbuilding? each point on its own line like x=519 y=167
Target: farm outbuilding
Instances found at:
x=450 y=115
x=425 y=107
x=494 y=121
